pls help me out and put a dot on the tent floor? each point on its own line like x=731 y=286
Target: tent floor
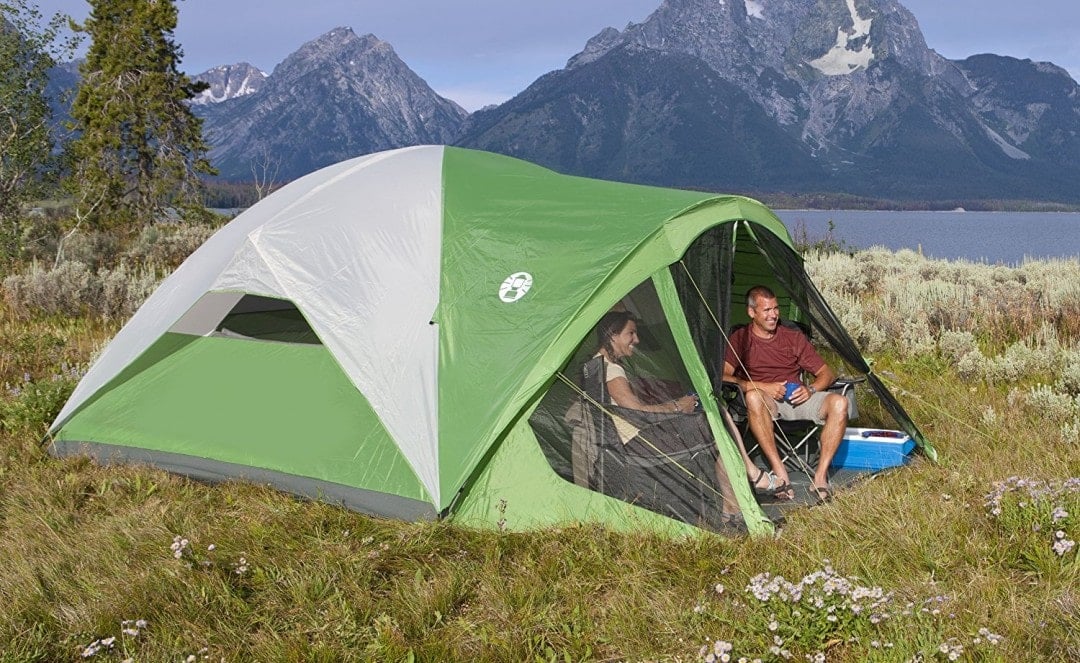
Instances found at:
x=839 y=478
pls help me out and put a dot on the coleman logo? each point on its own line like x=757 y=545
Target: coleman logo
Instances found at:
x=515 y=286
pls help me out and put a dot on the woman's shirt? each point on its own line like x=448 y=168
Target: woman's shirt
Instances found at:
x=623 y=428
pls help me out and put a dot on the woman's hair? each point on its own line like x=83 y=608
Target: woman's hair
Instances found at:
x=611 y=324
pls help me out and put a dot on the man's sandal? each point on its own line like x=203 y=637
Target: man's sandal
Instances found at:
x=820 y=494
x=776 y=489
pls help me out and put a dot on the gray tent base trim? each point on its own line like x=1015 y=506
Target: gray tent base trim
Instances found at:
x=370 y=502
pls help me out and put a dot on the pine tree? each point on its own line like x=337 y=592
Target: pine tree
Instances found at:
x=28 y=51
x=140 y=148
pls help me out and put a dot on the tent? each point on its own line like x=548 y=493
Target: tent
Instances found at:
x=380 y=333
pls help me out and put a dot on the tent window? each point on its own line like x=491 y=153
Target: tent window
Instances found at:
x=707 y=301
x=267 y=319
x=712 y=279
x=662 y=461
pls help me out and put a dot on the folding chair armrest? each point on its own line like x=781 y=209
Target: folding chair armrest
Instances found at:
x=843 y=384
x=850 y=380
x=731 y=392
x=731 y=396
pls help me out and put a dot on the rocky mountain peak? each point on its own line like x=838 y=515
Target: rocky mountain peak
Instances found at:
x=830 y=37
x=337 y=42
x=794 y=58
x=229 y=81
x=337 y=96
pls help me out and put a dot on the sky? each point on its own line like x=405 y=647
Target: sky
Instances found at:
x=480 y=52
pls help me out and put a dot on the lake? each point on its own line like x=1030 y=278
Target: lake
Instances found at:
x=993 y=237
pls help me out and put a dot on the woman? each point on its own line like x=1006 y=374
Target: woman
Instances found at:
x=617 y=338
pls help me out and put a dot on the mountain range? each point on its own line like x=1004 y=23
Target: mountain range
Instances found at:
x=802 y=96
x=805 y=95
x=336 y=97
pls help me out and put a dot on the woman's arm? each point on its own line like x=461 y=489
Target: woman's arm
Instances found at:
x=623 y=396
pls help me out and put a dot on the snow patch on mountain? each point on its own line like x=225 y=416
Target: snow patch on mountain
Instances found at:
x=852 y=50
x=228 y=82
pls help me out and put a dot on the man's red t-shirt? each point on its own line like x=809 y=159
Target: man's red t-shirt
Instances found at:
x=780 y=359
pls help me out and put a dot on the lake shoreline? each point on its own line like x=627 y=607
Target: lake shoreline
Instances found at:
x=997 y=237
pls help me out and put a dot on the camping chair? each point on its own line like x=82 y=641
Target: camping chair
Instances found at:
x=668 y=467
x=794 y=437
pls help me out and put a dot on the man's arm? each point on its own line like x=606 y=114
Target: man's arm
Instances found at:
x=775 y=390
x=823 y=378
x=807 y=358
x=729 y=374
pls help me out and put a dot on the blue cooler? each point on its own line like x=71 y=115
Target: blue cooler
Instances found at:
x=873 y=449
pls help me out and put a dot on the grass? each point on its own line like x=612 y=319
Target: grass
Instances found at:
x=118 y=563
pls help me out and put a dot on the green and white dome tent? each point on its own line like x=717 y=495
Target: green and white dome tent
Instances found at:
x=378 y=334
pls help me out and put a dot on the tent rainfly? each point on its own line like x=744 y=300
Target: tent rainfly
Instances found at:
x=382 y=333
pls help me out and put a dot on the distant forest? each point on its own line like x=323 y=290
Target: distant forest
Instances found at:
x=237 y=195
x=230 y=195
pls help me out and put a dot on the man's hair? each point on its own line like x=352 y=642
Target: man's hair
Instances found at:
x=758 y=291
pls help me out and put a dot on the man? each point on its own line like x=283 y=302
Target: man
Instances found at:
x=762 y=358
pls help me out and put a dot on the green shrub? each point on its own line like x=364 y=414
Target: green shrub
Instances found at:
x=40 y=237
x=1053 y=405
x=1069 y=382
x=28 y=353
x=73 y=289
x=124 y=289
x=1038 y=520
x=65 y=291
x=955 y=345
x=168 y=245
x=32 y=406
x=96 y=249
